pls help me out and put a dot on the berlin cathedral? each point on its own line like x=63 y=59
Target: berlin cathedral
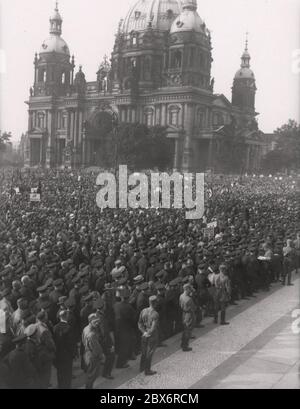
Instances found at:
x=159 y=73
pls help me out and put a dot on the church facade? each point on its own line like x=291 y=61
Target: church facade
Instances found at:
x=159 y=74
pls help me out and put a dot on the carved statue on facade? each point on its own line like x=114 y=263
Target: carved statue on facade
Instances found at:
x=103 y=75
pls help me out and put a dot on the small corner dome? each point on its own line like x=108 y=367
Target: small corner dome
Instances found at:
x=55 y=44
x=188 y=20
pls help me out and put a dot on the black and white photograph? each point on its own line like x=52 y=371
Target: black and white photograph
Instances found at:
x=149 y=197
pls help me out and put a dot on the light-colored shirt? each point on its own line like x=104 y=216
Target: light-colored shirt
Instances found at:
x=148 y=322
x=90 y=340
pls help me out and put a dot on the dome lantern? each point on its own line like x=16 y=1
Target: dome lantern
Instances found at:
x=189 y=5
x=56 y=22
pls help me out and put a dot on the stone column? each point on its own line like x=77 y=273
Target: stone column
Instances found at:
x=122 y=114
x=72 y=126
x=210 y=153
x=41 y=150
x=50 y=140
x=163 y=115
x=29 y=120
x=84 y=149
x=176 y=156
x=187 y=164
x=157 y=115
x=129 y=110
x=77 y=141
x=69 y=125
x=133 y=115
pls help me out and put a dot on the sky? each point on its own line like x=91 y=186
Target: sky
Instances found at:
x=90 y=26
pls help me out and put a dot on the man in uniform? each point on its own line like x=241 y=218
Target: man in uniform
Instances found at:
x=93 y=352
x=106 y=339
x=125 y=321
x=65 y=350
x=222 y=296
x=297 y=249
x=46 y=349
x=149 y=325
x=22 y=374
x=188 y=316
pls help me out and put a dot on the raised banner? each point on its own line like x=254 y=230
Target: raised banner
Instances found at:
x=209 y=232
x=35 y=197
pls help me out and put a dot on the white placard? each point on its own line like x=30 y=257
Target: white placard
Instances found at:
x=212 y=225
x=35 y=197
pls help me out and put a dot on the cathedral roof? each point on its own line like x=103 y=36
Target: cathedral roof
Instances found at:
x=159 y=14
x=55 y=44
x=189 y=19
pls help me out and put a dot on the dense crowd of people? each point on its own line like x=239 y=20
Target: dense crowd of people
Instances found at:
x=105 y=285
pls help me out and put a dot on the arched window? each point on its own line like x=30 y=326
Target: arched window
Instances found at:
x=174 y=115
x=177 y=59
x=149 y=116
x=201 y=59
x=42 y=75
x=64 y=121
x=127 y=84
x=218 y=119
x=200 y=118
x=41 y=120
x=147 y=68
x=63 y=78
x=170 y=14
x=192 y=57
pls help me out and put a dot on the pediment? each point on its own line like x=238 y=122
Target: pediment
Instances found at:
x=221 y=101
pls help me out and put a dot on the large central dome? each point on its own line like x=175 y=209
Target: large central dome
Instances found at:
x=159 y=14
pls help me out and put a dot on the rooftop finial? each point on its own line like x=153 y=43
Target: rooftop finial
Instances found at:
x=247 y=36
x=56 y=6
x=246 y=56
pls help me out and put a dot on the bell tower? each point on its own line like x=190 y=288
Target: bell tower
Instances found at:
x=54 y=71
x=244 y=84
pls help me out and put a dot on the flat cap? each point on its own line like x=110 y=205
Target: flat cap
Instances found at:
x=144 y=286
x=152 y=298
x=58 y=282
x=89 y=297
x=138 y=279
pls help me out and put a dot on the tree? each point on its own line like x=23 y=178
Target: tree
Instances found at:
x=286 y=155
x=5 y=138
x=137 y=146
x=231 y=156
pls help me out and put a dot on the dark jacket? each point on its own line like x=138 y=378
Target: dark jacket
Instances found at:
x=64 y=342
